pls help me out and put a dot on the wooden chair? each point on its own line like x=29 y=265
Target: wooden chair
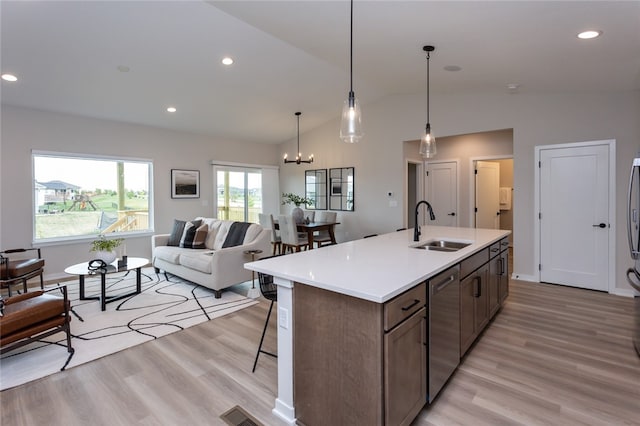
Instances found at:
x=266 y=221
x=33 y=316
x=309 y=214
x=323 y=238
x=20 y=265
x=289 y=234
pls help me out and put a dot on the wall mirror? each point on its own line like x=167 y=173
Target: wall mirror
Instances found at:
x=315 y=188
x=341 y=187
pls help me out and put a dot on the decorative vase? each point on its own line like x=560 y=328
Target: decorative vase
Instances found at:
x=298 y=215
x=106 y=256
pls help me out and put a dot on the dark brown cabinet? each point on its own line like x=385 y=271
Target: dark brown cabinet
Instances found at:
x=405 y=370
x=356 y=361
x=503 y=286
x=474 y=306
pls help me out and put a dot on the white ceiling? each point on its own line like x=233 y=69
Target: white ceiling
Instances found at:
x=294 y=56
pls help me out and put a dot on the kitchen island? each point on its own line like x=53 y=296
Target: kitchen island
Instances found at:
x=351 y=285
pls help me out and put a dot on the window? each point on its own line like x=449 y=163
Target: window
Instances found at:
x=79 y=196
x=238 y=193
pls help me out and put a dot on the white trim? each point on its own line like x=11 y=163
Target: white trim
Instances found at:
x=420 y=169
x=79 y=156
x=243 y=165
x=611 y=144
x=523 y=277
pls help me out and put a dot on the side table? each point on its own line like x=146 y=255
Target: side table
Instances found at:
x=253 y=291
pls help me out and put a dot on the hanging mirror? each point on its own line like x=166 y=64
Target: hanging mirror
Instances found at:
x=315 y=188
x=341 y=188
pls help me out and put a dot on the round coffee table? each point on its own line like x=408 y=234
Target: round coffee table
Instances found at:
x=82 y=269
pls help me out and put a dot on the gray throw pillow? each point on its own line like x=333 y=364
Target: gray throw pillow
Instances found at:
x=176 y=232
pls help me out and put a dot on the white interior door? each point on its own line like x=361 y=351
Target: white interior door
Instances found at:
x=574 y=216
x=442 y=192
x=487 y=211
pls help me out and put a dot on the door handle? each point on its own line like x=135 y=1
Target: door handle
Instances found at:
x=451 y=214
x=600 y=225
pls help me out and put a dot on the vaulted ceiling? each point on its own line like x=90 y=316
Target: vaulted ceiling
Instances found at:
x=130 y=60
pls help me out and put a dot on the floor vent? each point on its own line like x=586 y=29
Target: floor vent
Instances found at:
x=238 y=417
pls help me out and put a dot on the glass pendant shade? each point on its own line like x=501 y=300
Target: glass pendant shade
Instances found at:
x=351 y=125
x=428 y=147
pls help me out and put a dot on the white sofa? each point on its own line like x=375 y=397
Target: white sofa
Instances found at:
x=213 y=267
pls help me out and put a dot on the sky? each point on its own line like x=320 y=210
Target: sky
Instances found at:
x=90 y=174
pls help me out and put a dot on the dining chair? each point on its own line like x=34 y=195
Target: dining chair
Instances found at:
x=266 y=221
x=323 y=237
x=309 y=214
x=289 y=235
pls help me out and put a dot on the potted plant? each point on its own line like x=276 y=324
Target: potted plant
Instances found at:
x=105 y=248
x=291 y=198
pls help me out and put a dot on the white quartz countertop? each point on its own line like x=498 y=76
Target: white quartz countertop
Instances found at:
x=378 y=268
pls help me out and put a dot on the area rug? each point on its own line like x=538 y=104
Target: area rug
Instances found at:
x=163 y=307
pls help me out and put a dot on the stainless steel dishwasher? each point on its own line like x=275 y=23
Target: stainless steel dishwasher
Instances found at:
x=444 y=329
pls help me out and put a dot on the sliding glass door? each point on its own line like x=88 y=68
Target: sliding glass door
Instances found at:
x=238 y=193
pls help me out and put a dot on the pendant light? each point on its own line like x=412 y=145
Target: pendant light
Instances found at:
x=298 y=159
x=428 y=141
x=351 y=124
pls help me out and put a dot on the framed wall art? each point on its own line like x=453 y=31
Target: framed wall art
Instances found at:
x=185 y=183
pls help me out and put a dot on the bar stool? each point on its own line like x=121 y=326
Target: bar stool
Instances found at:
x=270 y=292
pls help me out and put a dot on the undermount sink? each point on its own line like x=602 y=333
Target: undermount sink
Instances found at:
x=442 y=245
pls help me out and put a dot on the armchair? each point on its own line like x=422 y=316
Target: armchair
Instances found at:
x=20 y=265
x=30 y=317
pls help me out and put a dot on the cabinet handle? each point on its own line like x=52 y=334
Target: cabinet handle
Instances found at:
x=415 y=302
x=476 y=290
x=500 y=266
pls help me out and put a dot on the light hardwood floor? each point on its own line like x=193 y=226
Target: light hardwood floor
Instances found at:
x=553 y=355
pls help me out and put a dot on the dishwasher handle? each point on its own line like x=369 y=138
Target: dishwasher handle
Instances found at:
x=438 y=287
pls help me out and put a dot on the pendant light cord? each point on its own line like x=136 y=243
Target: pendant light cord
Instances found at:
x=298 y=153
x=428 y=57
x=351 y=51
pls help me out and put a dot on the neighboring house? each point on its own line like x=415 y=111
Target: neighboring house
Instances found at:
x=57 y=191
x=40 y=192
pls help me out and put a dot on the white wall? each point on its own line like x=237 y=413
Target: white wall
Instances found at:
x=24 y=130
x=535 y=120
x=378 y=160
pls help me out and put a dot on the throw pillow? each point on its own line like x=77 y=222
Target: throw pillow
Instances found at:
x=194 y=237
x=176 y=233
x=188 y=234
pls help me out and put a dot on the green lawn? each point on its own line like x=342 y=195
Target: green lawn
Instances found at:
x=80 y=222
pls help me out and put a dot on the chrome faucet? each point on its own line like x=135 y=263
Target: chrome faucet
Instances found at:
x=416 y=229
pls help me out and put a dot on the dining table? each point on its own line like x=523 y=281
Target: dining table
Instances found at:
x=311 y=227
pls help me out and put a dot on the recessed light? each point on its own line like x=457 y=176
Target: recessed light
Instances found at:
x=172 y=109
x=586 y=35
x=123 y=68
x=227 y=61
x=452 y=68
x=9 y=77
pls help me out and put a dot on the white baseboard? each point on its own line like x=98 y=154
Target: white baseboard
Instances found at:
x=524 y=277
